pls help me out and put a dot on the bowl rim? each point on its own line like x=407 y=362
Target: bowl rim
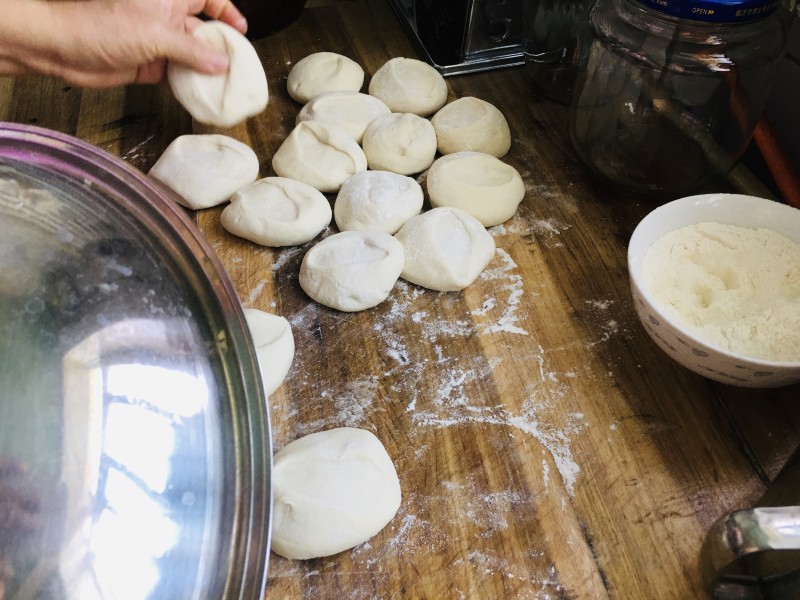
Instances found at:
x=761 y=212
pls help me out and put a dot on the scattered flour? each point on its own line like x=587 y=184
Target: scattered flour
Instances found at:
x=433 y=360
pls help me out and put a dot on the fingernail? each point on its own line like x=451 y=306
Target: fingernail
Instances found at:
x=242 y=24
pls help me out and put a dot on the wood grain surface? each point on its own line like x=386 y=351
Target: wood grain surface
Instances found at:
x=546 y=447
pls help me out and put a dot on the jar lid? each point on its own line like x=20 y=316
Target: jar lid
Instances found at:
x=715 y=11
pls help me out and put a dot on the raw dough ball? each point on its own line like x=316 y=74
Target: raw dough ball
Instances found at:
x=471 y=124
x=377 y=201
x=446 y=249
x=323 y=72
x=323 y=155
x=205 y=170
x=408 y=85
x=481 y=184
x=227 y=99
x=352 y=110
x=274 y=342
x=352 y=270
x=333 y=490
x=276 y=211
x=401 y=143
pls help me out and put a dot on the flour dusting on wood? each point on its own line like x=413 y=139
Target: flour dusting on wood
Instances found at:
x=440 y=358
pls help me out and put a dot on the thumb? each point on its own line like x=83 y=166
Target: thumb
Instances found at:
x=197 y=54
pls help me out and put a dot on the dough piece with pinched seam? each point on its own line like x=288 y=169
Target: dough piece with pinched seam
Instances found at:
x=377 y=201
x=402 y=143
x=446 y=249
x=229 y=98
x=352 y=270
x=323 y=155
x=274 y=342
x=277 y=211
x=470 y=123
x=205 y=170
x=408 y=85
x=323 y=72
x=333 y=490
x=481 y=184
x=352 y=110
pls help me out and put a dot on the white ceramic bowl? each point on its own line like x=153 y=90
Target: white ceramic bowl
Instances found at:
x=708 y=359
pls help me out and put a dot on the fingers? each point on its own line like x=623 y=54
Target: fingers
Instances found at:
x=195 y=54
x=221 y=10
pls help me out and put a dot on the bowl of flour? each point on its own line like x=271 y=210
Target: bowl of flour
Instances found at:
x=716 y=283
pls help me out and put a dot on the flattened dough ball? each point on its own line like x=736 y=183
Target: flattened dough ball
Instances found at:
x=483 y=185
x=229 y=98
x=205 y=170
x=401 y=143
x=446 y=249
x=377 y=201
x=352 y=110
x=408 y=85
x=274 y=342
x=277 y=211
x=333 y=490
x=323 y=72
x=470 y=123
x=323 y=155
x=352 y=270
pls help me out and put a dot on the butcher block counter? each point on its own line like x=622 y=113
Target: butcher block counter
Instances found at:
x=546 y=448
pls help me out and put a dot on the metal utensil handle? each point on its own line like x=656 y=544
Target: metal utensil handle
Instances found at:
x=755 y=553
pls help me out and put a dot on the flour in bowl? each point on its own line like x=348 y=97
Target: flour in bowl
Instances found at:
x=735 y=287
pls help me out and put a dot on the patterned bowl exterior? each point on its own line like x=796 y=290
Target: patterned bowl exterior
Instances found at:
x=703 y=358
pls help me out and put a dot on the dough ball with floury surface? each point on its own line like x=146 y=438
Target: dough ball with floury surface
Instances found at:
x=205 y=170
x=352 y=110
x=323 y=72
x=408 y=85
x=402 y=143
x=323 y=155
x=226 y=99
x=377 y=201
x=274 y=343
x=472 y=124
x=277 y=211
x=333 y=490
x=481 y=184
x=446 y=249
x=352 y=270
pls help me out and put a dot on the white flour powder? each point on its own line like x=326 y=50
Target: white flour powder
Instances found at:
x=736 y=287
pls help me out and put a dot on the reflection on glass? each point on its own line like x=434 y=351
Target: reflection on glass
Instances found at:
x=129 y=444
x=175 y=392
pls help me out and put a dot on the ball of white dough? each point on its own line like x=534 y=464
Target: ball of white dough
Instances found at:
x=274 y=344
x=323 y=72
x=483 y=185
x=205 y=170
x=377 y=201
x=229 y=98
x=277 y=211
x=352 y=270
x=333 y=490
x=446 y=249
x=352 y=110
x=471 y=124
x=400 y=142
x=323 y=155
x=408 y=85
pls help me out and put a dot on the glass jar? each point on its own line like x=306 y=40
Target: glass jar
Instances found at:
x=669 y=91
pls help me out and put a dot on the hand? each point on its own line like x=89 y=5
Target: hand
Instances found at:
x=103 y=43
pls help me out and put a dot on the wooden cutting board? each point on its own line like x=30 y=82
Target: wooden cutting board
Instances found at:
x=546 y=448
